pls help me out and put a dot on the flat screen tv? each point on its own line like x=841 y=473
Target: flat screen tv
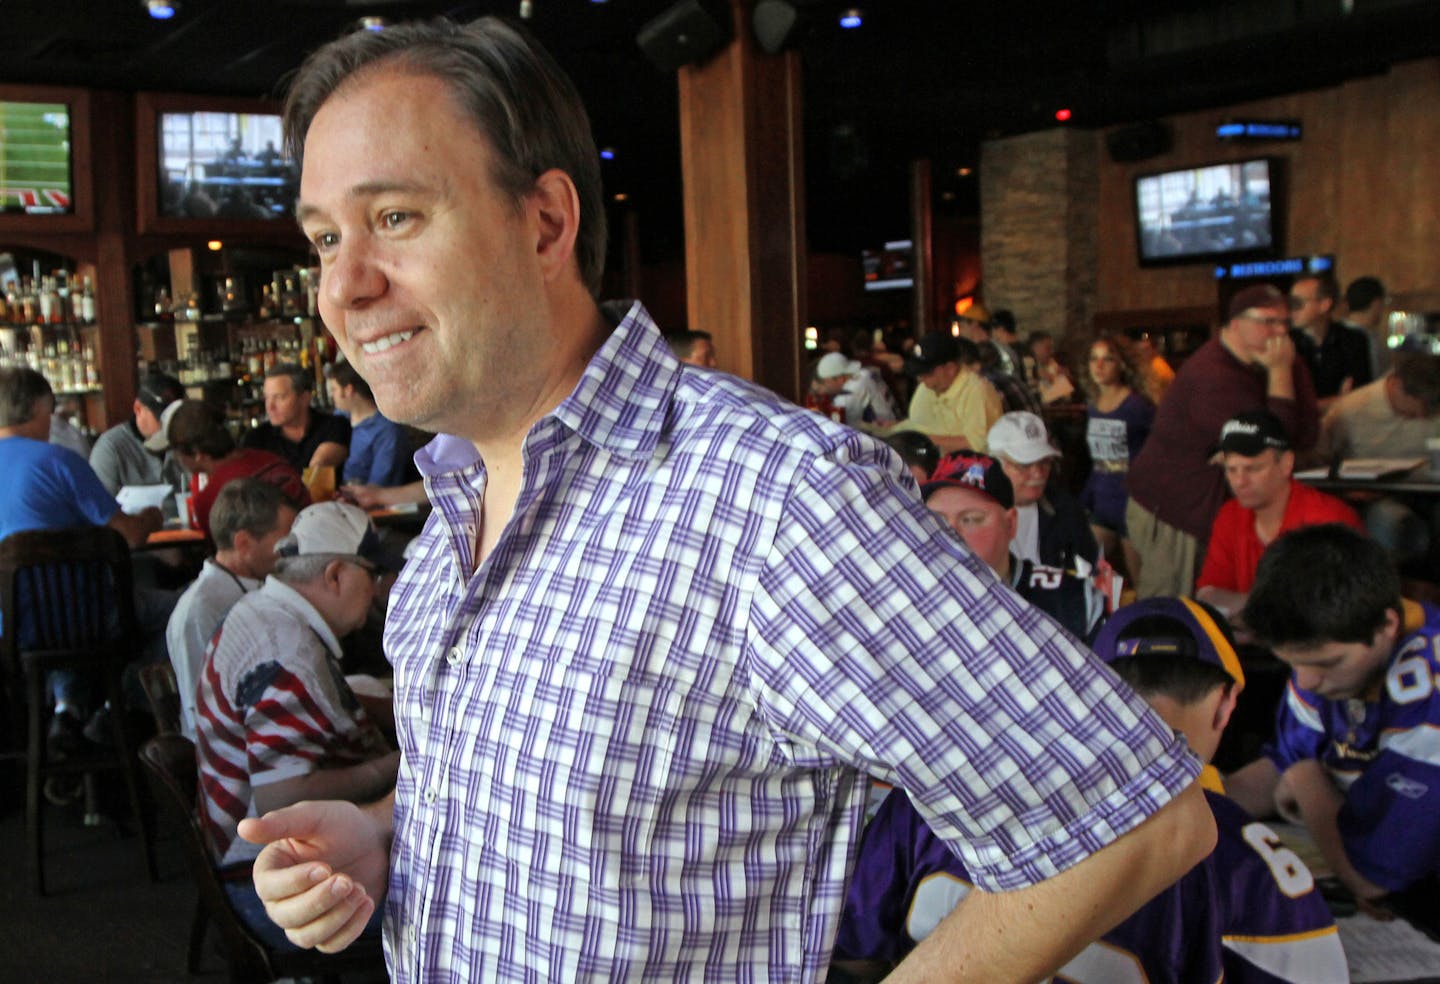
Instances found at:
x=35 y=158
x=224 y=165
x=891 y=268
x=1201 y=214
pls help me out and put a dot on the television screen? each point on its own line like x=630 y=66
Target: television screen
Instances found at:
x=892 y=268
x=1206 y=212
x=35 y=158
x=224 y=165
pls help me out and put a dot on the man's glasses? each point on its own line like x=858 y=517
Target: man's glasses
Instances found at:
x=1297 y=302
x=1270 y=321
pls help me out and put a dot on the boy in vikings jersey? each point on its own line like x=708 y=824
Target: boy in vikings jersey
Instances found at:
x=1356 y=755
x=1249 y=913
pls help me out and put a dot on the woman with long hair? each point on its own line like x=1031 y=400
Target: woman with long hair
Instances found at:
x=1118 y=419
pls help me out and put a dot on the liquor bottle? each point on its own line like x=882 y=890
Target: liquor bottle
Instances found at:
x=87 y=302
x=267 y=304
x=92 y=371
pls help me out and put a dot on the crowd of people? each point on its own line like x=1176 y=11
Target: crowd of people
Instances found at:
x=664 y=634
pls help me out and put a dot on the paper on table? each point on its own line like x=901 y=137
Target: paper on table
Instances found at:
x=1387 y=951
x=137 y=498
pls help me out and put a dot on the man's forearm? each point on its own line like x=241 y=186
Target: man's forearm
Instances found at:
x=1318 y=801
x=1026 y=934
x=357 y=783
x=1280 y=383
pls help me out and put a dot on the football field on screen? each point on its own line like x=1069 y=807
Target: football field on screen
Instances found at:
x=34 y=156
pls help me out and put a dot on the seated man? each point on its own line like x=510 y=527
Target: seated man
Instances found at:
x=277 y=722
x=953 y=405
x=379 y=450
x=202 y=443
x=972 y=494
x=1267 y=503
x=123 y=456
x=918 y=452
x=694 y=348
x=855 y=389
x=248 y=518
x=305 y=437
x=1053 y=528
x=1247 y=913
x=1356 y=755
x=47 y=487
x=1391 y=418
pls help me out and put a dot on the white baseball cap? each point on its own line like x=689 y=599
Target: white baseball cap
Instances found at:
x=336 y=528
x=835 y=364
x=1020 y=436
x=160 y=440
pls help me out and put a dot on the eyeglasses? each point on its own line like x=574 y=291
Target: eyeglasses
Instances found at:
x=1297 y=302
x=375 y=573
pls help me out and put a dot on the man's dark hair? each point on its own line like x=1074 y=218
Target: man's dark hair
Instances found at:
x=967 y=353
x=1363 y=292
x=519 y=99
x=1326 y=287
x=1419 y=376
x=300 y=379
x=244 y=504
x=1185 y=681
x=1036 y=336
x=916 y=450
x=1322 y=584
x=199 y=428
x=1004 y=319
x=343 y=374
x=20 y=387
x=682 y=343
x=157 y=390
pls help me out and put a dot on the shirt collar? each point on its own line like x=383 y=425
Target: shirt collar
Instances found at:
x=619 y=405
x=287 y=597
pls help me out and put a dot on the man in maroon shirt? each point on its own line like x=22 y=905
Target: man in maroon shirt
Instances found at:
x=1176 y=484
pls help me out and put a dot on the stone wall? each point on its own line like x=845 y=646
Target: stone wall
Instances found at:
x=1038 y=218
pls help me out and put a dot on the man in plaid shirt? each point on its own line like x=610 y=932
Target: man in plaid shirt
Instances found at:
x=661 y=625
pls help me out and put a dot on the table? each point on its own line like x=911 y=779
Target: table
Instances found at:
x=1418 y=482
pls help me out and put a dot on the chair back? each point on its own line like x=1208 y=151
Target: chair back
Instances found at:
x=170 y=762
x=163 y=694
x=66 y=590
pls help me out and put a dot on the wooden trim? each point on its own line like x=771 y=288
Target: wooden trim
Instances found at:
x=82 y=168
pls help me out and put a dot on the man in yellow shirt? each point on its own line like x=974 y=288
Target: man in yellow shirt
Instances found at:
x=954 y=405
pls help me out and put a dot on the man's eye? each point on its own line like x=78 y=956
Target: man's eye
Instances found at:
x=394 y=219
x=325 y=240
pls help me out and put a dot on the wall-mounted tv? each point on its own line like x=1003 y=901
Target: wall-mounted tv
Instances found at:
x=35 y=158
x=45 y=166
x=891 y=268
x=225 y=165
x=213 y=166
x=1210 y=212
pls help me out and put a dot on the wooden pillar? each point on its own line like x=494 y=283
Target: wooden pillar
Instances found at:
x=741 y=153
x=922 y=233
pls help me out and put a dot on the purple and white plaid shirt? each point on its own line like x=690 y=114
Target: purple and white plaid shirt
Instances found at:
x=636 y=738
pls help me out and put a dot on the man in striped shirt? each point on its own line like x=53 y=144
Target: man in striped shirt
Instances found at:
x=276 y=721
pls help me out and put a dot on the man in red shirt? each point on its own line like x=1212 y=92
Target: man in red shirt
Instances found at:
x=1267 y=502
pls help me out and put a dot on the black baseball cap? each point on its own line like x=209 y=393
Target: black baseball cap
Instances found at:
x=1249 y=433
x=158 y=390
x=932 y=350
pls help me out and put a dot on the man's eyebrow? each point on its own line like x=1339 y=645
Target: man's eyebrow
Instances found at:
x=304 y=211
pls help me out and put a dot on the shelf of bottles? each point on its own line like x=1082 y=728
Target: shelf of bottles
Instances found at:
x=224 y=347
x=47 y=323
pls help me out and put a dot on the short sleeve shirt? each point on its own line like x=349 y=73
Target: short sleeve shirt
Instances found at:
x=1233 y=551
x=324 y=428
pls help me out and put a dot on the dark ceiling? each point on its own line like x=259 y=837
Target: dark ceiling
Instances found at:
x=919 y=79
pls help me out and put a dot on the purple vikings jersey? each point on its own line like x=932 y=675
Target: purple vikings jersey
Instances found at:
x=1385 y=754
x=1248 y=914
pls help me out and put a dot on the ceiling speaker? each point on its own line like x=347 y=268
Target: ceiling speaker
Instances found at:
x=774 y=24
x=684 y=34
x=1139 y=141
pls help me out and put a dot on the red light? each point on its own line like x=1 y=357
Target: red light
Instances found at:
x=1062 y=115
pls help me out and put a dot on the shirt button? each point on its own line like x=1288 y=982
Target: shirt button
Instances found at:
x=469 y=529
x=410 y=935
x=429 y=795
x=455 y=657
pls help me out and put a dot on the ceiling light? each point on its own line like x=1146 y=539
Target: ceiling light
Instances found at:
x=526 y=9
x=162 y=9
x=852 y=18
x=374 y=23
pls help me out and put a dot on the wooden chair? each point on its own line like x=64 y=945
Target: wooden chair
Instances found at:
x=163 y=693
x=174 y=777
x=66 y=603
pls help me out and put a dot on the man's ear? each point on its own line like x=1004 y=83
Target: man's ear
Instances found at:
x=556 y=206
x=1229 y=697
